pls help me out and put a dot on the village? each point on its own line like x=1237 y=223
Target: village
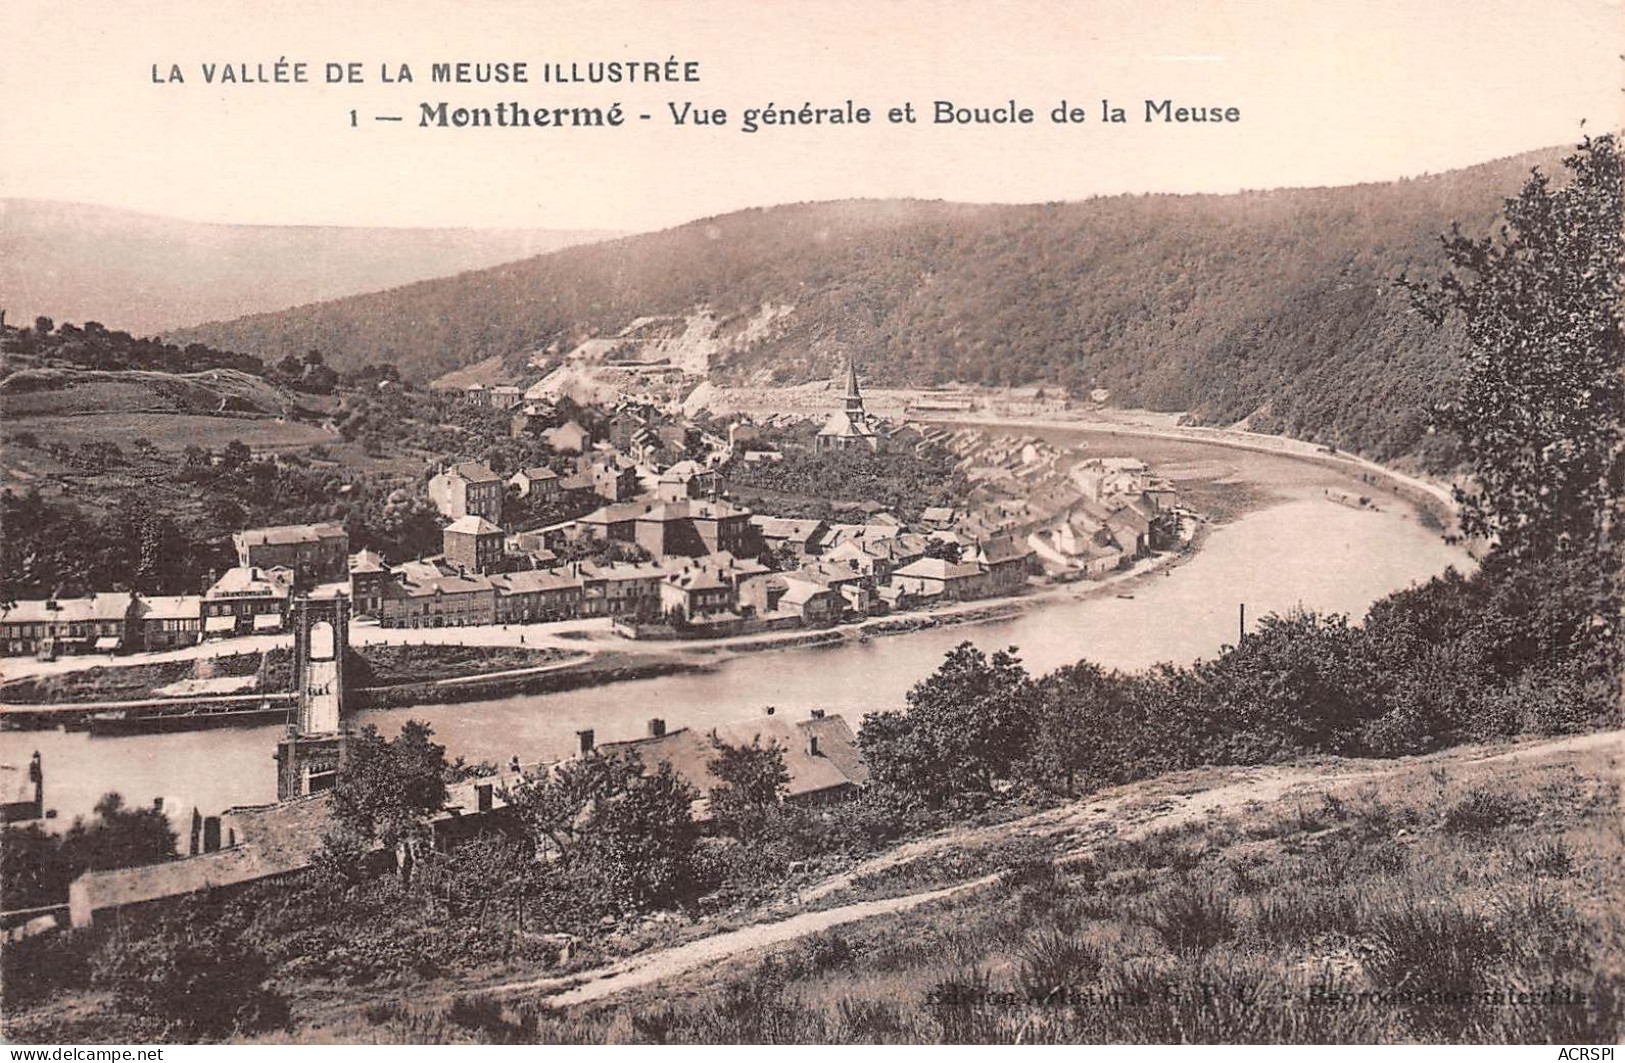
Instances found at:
x=667 y=553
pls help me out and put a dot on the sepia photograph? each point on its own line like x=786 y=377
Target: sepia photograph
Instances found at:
x=1058 y=522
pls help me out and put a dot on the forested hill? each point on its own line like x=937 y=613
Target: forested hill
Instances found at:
x=1275 y=306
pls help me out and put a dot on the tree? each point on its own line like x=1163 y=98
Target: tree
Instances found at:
x=556 y=805
x=643 y=839
x=753 y=782
x=1539 y=410
x=43 y=326
x=118 y=837
x=388 y=789
x=1539 y=414
x=235 y=455
x=966 y=724
x=632 y=831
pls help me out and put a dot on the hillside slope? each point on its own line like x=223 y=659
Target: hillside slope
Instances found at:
x=143 y=273
x=1279 y=306
x=1477 y=869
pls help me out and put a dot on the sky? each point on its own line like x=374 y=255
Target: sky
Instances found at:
x=1328 y=91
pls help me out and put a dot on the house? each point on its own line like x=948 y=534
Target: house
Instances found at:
x=939 y=517
x=1007 y=563
x=624 y=428
x=466 y=489
x=811 y=599
x=539 y=483
x=849 y=426
x=474 y=543
x=476 y=394
x=693 y=528
x=169 y=621
x=568 y=438
x=612 y=480
x=687 y=479
x=505 y=396
x=695 y=591
x=315 y=553
x=618 y=521
x=368 y=574
x=102 y=623
x=933 y=577
x=537 y=596
x=247 y=600
x=532 y=417
x=820 y=755
x=800 y=537
x=1130 y=530
x=620 y=590
x=22 y=791
x=1101 y=478
x=432 y=594
x=248 y=845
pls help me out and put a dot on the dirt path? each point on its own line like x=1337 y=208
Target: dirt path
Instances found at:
x=654 y=967
x=1124 y=812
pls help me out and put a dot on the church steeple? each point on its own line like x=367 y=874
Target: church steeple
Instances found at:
x=854 y=398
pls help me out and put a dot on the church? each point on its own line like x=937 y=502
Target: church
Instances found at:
x=849 y=426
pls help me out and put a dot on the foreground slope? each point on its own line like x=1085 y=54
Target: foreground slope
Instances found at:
x=1276 y=306
x=1468 y=895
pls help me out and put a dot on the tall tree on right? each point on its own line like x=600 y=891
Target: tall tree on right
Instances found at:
x=1542 y=398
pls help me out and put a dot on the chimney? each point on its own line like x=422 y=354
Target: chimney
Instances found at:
x=818 y=714
x=657 y=727
x=584 y=741
x=482 y=794
x=812 y=746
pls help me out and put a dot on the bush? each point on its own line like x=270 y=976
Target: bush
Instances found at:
x=1052 y=962
x=1191 y=917
x=1480 y=811
x=195 y=971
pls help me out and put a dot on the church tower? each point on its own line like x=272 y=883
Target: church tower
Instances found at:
x=854 y=398
x=309 y=758
x=850 y=425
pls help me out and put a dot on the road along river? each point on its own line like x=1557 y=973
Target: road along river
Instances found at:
x=1295 y=548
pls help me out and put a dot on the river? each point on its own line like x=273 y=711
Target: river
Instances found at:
x=1299 y=549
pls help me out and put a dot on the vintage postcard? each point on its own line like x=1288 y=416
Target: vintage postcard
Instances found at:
x=1054 y=522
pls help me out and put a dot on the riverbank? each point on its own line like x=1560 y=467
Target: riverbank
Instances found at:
x=1434 y=498
x=975 y=611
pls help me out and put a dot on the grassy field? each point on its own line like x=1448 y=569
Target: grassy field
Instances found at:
x=169 y=431
x=1447 y=900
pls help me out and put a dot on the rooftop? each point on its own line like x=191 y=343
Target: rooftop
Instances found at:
x=836 y=764
x=476 y=472
x=473 y=525
x=288 y=534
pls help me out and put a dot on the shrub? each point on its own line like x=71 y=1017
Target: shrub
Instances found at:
x=1551 y=858
x=1052 y=961
x=1191 y=917
x=1481 y=810
x=1428 y=943
x=196 y=972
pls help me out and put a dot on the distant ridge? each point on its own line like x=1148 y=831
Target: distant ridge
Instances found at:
x=144 y=273
x=1278 y=307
